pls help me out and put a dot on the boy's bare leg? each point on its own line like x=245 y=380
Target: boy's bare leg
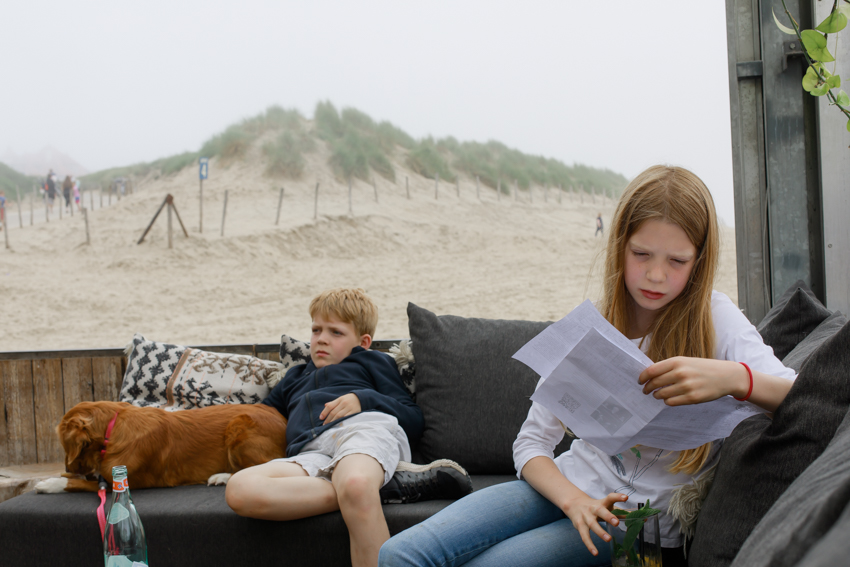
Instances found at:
x=358 y=479
x=279 y=491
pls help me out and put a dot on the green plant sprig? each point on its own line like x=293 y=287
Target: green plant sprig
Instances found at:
x=818 y=81
x=634 y=521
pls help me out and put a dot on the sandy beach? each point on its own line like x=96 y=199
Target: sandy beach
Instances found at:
x=528 y=258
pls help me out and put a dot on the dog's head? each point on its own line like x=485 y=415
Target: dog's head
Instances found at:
x=82 y=432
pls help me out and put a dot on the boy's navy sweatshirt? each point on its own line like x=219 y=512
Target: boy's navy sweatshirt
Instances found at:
x=373 y=376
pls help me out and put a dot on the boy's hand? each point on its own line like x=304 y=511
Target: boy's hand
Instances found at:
x=342 y=406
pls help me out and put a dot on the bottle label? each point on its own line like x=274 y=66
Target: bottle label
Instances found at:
x=120 y=485
x=123 y=561
x=118 y=513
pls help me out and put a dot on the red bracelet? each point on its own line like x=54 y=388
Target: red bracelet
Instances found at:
x=750 y=391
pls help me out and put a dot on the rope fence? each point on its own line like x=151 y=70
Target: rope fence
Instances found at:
x=92 y=199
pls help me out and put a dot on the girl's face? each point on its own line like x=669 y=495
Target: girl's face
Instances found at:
x=659 y=258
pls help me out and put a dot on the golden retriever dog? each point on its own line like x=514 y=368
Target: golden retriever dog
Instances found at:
x=161 y=448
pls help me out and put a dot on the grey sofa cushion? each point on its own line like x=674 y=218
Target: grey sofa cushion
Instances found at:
x=806 y=514
x=810 y=344
x=186 y=526
x=791 y=319
x=473 y=395
x=762 y=457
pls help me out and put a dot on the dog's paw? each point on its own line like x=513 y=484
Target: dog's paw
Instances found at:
x=220 y=478
x=51 y=485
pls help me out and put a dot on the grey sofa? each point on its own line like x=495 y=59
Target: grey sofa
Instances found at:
x=474 y=398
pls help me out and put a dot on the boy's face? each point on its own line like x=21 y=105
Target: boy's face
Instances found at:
x=332 y=340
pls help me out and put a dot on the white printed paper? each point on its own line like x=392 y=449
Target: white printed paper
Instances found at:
x=591 y=384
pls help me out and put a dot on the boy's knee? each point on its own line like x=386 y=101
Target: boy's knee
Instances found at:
x=238 y=494
x=357 y=489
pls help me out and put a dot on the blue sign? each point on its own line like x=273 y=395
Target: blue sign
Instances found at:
x=204 y=169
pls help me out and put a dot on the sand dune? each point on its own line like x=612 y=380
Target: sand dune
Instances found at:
x=524 y=259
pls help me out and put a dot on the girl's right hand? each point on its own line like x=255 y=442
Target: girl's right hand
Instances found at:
x=585 y=513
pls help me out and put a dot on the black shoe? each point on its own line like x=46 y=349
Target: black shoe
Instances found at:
x=440 y=480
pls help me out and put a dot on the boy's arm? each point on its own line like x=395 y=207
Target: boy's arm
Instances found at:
x=390 y=396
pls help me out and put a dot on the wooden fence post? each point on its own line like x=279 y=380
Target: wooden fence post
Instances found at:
x=32 y=210
x=375 y=186
x=224 y=212
x=86 y=217
x=5 y=227
x=201 y=208
x=279 y=203
x=20 y=215
x=170 y=246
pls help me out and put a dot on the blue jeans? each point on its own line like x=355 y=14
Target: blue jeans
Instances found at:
x=506 y=524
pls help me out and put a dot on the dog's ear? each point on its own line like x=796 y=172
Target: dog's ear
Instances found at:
x=75 y=434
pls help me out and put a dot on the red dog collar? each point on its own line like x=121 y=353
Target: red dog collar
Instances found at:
x=108 y=433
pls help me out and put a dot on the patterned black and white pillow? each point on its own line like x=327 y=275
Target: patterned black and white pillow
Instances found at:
x=175 y=377
x=403 y=355
x=149 y=367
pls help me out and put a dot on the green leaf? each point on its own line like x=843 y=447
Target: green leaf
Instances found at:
x=619 y=512
x=783 y=29
x=848 y=125
x=815 y=44
x=821 y=90
x=811 y=81
x=635 y=451
x=844 y=8
x=833 y=23
x=842 y=99
x=834 y=81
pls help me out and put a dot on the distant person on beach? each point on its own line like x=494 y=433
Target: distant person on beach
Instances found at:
x=66 y=192
x=51 y=190
x=598 y=226
x=76 y=189
x=2 y=208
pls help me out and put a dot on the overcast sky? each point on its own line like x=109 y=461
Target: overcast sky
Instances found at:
x=618 y=84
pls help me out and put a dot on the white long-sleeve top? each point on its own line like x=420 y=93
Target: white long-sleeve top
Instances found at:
x=643 y=474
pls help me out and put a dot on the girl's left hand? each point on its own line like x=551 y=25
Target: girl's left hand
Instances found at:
x=340 y=407
x=683 y=380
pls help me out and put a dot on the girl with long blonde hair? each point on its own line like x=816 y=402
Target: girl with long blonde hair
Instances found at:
x=660 y=265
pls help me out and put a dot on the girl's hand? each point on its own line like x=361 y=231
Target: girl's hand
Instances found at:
x=342 y=406
x=683 y=380
x=585 y=513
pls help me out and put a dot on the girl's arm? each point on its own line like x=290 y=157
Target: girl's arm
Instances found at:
x=683 y=380
x=584 y=511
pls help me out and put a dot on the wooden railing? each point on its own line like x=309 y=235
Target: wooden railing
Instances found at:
x=38 y=387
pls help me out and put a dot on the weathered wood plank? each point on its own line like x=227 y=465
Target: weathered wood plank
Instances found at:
x=77 y=381
x=107 y=376
x=18 y=412
x=4 y=434
x=49 y=408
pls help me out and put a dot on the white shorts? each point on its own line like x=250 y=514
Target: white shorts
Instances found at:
x=370 y=433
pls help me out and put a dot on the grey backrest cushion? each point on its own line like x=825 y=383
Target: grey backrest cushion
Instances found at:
x=810 y=344
x=473 y=395
x=762 y=457
x=794 y=315
x=803 y=517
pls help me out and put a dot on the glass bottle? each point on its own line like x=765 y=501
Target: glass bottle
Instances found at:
x=124 y=537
